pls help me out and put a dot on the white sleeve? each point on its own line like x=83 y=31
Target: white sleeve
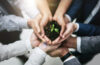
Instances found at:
x=69 y=18
x=13 y=49
x=68 y=59
x=37 y=57
x=12 y=23
x=77 y=27
x=28 y=7
x=79 y=44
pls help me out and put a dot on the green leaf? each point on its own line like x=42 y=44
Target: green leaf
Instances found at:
x=53 y=25
x=52 y=29
x=56 y=30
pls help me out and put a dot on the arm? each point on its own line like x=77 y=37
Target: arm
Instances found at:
x=90 y=44
x=66 y=56
x=81 y=30
x=43 y=7
x=73 y=61
x=14 y=49
x=59 y=16
x=37 y=57
x=39 y=54
x=84 y=45
x=76 y=6
x=63 y=7
x=18 y=48
x=88 y=30
x=12 y=23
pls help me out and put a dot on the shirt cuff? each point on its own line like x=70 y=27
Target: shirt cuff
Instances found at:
x=40 y=51
x=79 y=44
x=28 y=45
x=68 y=59
x=69 y=18
x=77 y=27
x=23 y=23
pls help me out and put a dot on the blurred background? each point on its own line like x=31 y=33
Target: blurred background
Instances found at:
x=9 y=37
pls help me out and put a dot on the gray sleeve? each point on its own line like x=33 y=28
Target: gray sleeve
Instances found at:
x=13 y=49
x=73 y=61
x=90 y=44
x=37 y=57
x=12 y=23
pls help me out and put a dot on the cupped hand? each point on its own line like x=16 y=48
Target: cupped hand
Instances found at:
x=70 y=42
x=62 y=21
x=70 y=28
x=45 y=19
x=60 y=52
x=47 y=48
x=35 y=25
x=34 y=41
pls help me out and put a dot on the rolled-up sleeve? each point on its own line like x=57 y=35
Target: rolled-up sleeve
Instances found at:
x=37 y=57
x=13 y=49
x=12 y=23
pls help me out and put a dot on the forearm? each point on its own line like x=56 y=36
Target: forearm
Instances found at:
x=88 y=30
x=69 y=59
x=74 y=8
x=37 y=57
x=43 y=6
x=90 y=44
x=73 y=61
x=63 y=6
x=13 y=49
x=12 y=23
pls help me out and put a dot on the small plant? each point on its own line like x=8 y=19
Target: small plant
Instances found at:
x=52 y=30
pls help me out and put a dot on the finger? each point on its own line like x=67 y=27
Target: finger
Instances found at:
x=42 y=25
x=56 y=52
x=38 y=28
x=61 y=22
x=40 y=37
x=35 y=27
x=36 y=43
x=33 y=37
x=67 y=33
x=62 y=30
x=50 y=18
x=66 y=36
x=47 y=40
x=56 y=41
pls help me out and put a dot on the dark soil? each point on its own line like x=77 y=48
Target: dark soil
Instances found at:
x=52 y=30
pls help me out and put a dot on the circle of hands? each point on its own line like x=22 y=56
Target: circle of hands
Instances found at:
x=60 y=45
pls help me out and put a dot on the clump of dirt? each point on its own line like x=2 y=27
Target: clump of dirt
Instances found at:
x=52 y=30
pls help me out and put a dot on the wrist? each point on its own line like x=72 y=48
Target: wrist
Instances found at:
x=43 y=47
x=64 y=53
x=29 y=23
x=69 y=54
x=72 y=42
x=75 y=26
x=68 y=18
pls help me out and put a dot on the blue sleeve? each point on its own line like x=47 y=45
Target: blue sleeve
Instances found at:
x=88 y=30
x=74 y=8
